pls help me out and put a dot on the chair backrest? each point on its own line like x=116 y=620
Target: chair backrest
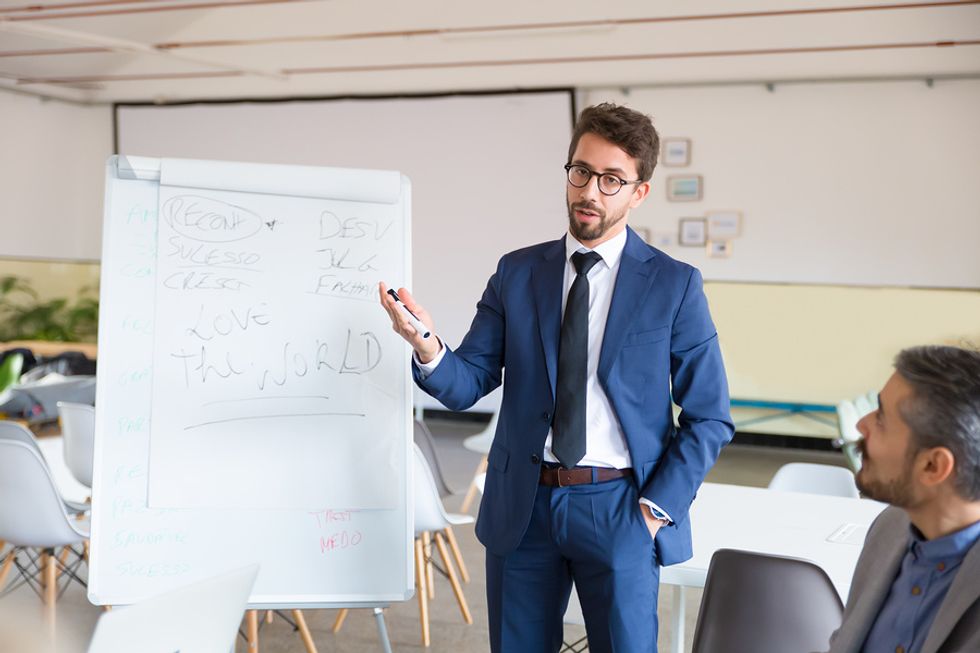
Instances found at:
x=32 y=513
x=811 y=478
x=78 y=429
x=199 y=617
x=19 y=433
x=756 y=603
x=425 y=442
x=430 y=514
x=10 y=370
x=482 y=441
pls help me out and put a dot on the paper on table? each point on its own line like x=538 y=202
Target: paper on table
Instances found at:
x=269 y=362
x=849 y=534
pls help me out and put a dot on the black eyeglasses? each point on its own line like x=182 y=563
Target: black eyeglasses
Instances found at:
x=609 y=184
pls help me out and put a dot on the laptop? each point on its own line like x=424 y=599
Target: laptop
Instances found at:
x=198 y=618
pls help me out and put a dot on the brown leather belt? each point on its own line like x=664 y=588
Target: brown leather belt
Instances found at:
x=559 y=477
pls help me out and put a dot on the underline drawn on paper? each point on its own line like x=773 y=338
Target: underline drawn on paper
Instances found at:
x=228 y=401
x=279 y=416
x=218 y=267
x=210 y=220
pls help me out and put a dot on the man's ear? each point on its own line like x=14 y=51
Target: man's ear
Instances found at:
x=639 y=194
x=936 y=465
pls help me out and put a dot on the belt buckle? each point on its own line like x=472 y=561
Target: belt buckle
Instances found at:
x=560 y=470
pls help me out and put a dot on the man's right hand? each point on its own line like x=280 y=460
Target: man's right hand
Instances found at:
x=425 y=348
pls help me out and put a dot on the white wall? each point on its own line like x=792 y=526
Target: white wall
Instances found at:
x=848 y=183
x=52 y=177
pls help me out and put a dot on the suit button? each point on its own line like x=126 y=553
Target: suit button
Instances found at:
x=535 y=459
x=546 y=416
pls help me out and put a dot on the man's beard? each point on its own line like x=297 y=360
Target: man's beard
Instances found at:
x=896 y=492
x=588 y=232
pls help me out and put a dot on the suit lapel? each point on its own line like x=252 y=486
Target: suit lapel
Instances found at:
x=964 y=592
x=546 y=281
x=856 y=627
x=637 y=270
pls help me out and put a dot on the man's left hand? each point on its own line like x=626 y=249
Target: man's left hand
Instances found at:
x=653 y=524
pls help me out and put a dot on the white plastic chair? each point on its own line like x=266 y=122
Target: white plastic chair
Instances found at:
x=33 y=516
x=17 y=433
x=849 y=413
x=479 y=443
x=574 y=616
x=78 y=429
x=811 y=478
x=431 y=517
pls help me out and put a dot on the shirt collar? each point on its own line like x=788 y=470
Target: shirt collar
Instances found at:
x=610 y=251
x=952 y=546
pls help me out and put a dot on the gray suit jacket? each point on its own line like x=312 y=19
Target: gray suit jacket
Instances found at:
x=956 y=628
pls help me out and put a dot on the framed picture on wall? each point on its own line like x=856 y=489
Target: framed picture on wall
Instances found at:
x=724 y=225
x=692 y=232
x=684 y=188
x=720 y=248
x=676 y=152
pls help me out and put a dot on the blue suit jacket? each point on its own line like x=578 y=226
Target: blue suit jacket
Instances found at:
x=659 y=339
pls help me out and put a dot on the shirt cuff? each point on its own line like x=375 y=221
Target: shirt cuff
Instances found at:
x=657 y=512
x=428 y=368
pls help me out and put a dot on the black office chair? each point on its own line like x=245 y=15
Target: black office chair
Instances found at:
x=757 y=603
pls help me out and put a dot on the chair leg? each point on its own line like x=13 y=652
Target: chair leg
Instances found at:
x=304 y=631
x=457 y=554
x=49 y=564
x=252 y=630
x=8 y=562
x=421 y=592
x=427 y=556
x=339 y=621
x=63 y=560
x=473 y=489
x=451 y=572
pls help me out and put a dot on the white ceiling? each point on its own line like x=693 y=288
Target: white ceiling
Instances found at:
x=117 y=50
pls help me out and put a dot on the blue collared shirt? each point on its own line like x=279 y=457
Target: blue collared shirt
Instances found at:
x=927 y=571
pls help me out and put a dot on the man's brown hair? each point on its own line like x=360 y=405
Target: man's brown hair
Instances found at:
x=630 y=130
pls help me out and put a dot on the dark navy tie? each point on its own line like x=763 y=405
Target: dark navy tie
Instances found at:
x=568 y=429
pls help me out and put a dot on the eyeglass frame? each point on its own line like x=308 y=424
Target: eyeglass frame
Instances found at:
x=598 y=175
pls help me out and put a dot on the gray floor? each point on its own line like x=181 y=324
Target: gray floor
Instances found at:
x=76 y=617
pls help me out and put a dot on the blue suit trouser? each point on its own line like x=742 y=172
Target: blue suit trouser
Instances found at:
x=595 y=535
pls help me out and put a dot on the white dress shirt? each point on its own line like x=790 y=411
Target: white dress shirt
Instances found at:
x=605 y=443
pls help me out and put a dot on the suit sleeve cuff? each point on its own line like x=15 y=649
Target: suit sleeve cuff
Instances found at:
x=428 y=368
x=657 y=512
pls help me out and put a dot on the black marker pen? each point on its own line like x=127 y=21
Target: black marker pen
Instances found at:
x=415 y=321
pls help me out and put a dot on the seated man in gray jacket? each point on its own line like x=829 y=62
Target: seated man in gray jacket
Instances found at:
x=916 y=588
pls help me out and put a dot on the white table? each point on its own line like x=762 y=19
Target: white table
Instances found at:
x=768 y=521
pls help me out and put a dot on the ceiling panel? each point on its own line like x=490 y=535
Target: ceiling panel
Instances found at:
x=333 y=47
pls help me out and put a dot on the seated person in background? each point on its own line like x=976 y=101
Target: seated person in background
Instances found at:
x=916 y=588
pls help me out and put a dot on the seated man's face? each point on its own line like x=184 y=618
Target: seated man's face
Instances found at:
x=886 y=456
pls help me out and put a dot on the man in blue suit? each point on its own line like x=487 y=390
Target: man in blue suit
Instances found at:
x=589 y=480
